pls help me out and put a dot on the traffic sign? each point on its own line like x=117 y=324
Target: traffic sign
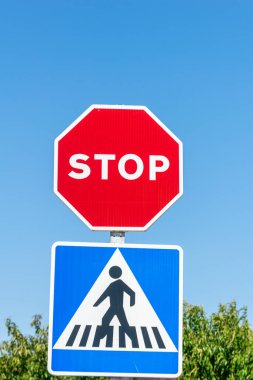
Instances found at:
x=118 y=167
x=116 y=310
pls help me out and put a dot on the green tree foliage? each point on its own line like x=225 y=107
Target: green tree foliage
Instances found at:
x=219 y=347
x=25 y=357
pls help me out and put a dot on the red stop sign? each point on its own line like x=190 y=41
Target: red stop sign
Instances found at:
x=118 y=167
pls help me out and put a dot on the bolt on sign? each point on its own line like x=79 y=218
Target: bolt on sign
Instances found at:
x=118 y=167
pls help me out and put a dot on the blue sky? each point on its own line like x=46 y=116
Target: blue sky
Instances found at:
x=190 y=63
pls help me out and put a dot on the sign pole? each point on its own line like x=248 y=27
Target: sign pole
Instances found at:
x=118 y=237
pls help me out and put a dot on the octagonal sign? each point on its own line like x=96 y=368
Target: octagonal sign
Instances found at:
x=118 y=168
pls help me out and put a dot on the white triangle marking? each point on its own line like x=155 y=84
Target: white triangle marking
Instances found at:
x=139 y=315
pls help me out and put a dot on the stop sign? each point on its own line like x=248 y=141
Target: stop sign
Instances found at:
x=118 y=168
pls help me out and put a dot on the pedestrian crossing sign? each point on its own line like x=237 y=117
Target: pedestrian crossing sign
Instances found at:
x=115 y=310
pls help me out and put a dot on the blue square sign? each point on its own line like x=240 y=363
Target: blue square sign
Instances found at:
x=115 y=310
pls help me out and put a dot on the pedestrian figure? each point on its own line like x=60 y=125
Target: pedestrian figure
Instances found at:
x=115 y=292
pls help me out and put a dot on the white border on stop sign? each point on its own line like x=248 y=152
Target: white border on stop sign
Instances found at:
x=117 y=228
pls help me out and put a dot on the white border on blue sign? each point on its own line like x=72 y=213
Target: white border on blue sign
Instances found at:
x=120 y=374
x=118 y=228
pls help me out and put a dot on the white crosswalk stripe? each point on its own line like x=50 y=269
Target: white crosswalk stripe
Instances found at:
x=82 y=337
